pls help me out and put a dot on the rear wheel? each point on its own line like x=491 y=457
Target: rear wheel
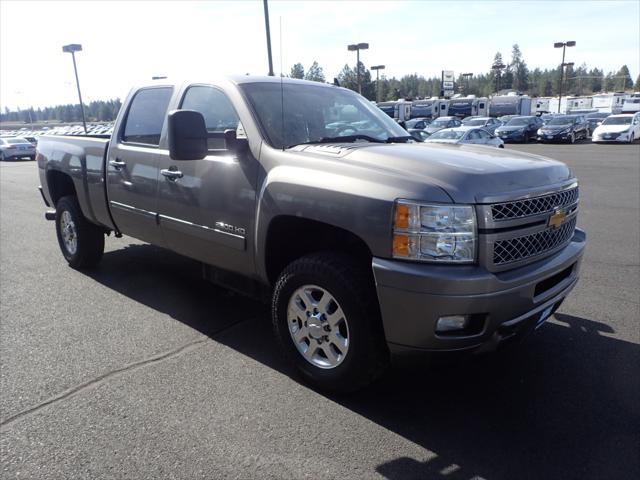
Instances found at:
x=81 y=242
x=326 y=319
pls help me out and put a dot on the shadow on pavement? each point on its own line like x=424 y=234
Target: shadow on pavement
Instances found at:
x=563 y=405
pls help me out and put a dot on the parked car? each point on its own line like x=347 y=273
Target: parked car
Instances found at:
x=618 y=128
x=467 y=135
x=595 y=119
x=519 y=129
x=442 y=122
x=504 y=119
x=487 y=123
x=418 y=123
x=418 y=133
x=367 y=244
x=16 y=147
x=564 y=128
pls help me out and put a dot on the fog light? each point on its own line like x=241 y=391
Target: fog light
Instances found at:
x=451 y=323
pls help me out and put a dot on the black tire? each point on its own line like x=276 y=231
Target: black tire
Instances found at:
x=572 y=138
x=32 y=157
x=353 y=289
x=89 y=237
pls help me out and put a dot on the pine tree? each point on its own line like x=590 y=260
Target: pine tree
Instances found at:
x=315 y=73
x=297 y=71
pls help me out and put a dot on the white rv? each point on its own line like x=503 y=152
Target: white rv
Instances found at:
x=579 y=103
x=609 y=102
x=553 y=105
x=468 y=106
x=631 y=104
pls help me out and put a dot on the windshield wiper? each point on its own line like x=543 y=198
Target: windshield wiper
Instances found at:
x=402 y=139
x=343 y=139
x=353 y=138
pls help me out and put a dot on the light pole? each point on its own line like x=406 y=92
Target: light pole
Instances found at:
x=72 y=48
x=562 y=45
x=498 y=67
x=467 y=76
x=266 y=24
x=377 y=68
x=357 y=47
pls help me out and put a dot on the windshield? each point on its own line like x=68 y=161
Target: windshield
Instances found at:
x=439 y=123
x=447 y=135
x=518 y=121
x=617 y=121
x=475 y=123
x=561 y=121
x=313 y=113
x=16 y=140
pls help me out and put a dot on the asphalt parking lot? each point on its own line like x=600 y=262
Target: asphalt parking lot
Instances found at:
x=139 y=369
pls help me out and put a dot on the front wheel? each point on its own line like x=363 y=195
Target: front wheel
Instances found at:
x=81 y=242
x=326 y=318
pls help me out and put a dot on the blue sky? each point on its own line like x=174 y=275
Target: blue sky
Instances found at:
x=126 y=42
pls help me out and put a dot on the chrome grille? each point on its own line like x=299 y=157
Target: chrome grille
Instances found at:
x=520 y=248
x=533 y=206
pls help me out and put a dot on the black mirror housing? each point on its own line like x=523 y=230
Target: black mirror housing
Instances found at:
x=233 y=143
x=187 y=135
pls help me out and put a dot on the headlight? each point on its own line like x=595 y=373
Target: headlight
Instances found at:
x=434 y=233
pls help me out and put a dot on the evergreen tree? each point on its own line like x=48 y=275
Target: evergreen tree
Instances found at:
x=518 y=70
x=315 y=73
x=636 y=86
x=297 y=71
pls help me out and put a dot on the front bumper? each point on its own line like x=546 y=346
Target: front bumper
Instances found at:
x=413 y=296
x=619 y=138
x=518 y=136
x=554 y=137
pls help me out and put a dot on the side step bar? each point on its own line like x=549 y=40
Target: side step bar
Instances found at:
x=50 y=215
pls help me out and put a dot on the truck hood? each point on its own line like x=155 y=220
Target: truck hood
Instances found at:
x=467 y=173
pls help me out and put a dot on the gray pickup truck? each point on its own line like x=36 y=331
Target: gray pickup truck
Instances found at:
x=369 y=244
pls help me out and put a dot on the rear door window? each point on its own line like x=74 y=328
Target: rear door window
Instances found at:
x=146 y=116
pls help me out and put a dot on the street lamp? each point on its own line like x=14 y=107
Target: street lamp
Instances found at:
x=357 y=47
x=498 y=67
x=377 y=68
x=72 y=48
x=467 y=76
x=563 y=46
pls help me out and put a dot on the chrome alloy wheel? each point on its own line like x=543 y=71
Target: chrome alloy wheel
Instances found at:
x=318 y=326
x=69 y=233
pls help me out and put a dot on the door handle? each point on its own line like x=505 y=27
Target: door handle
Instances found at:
x=171 y=174
x=117 y=164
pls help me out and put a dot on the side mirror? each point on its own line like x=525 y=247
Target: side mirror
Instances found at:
x=187 y=135
x=233 y=143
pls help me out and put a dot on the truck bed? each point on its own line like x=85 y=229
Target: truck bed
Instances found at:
x=83 y=158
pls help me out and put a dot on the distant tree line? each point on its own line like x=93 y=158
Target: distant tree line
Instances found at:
x=98 y=111
x=514 y=75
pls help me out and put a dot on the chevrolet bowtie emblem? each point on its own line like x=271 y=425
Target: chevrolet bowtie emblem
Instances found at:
x=557 y=219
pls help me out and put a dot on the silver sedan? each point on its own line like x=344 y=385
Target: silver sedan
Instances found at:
x=16 y=147
x=465 y=135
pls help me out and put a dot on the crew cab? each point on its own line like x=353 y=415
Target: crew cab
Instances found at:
x=368 y=244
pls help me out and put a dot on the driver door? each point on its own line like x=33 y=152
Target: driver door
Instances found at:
x=207 y=207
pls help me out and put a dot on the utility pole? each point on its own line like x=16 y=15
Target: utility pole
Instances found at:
x=563 y=45
x=357 y=47
x=377 y=68
x=72 y=48
x=266 y=24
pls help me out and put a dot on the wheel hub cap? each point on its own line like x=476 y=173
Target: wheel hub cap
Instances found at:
x=318 y=326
